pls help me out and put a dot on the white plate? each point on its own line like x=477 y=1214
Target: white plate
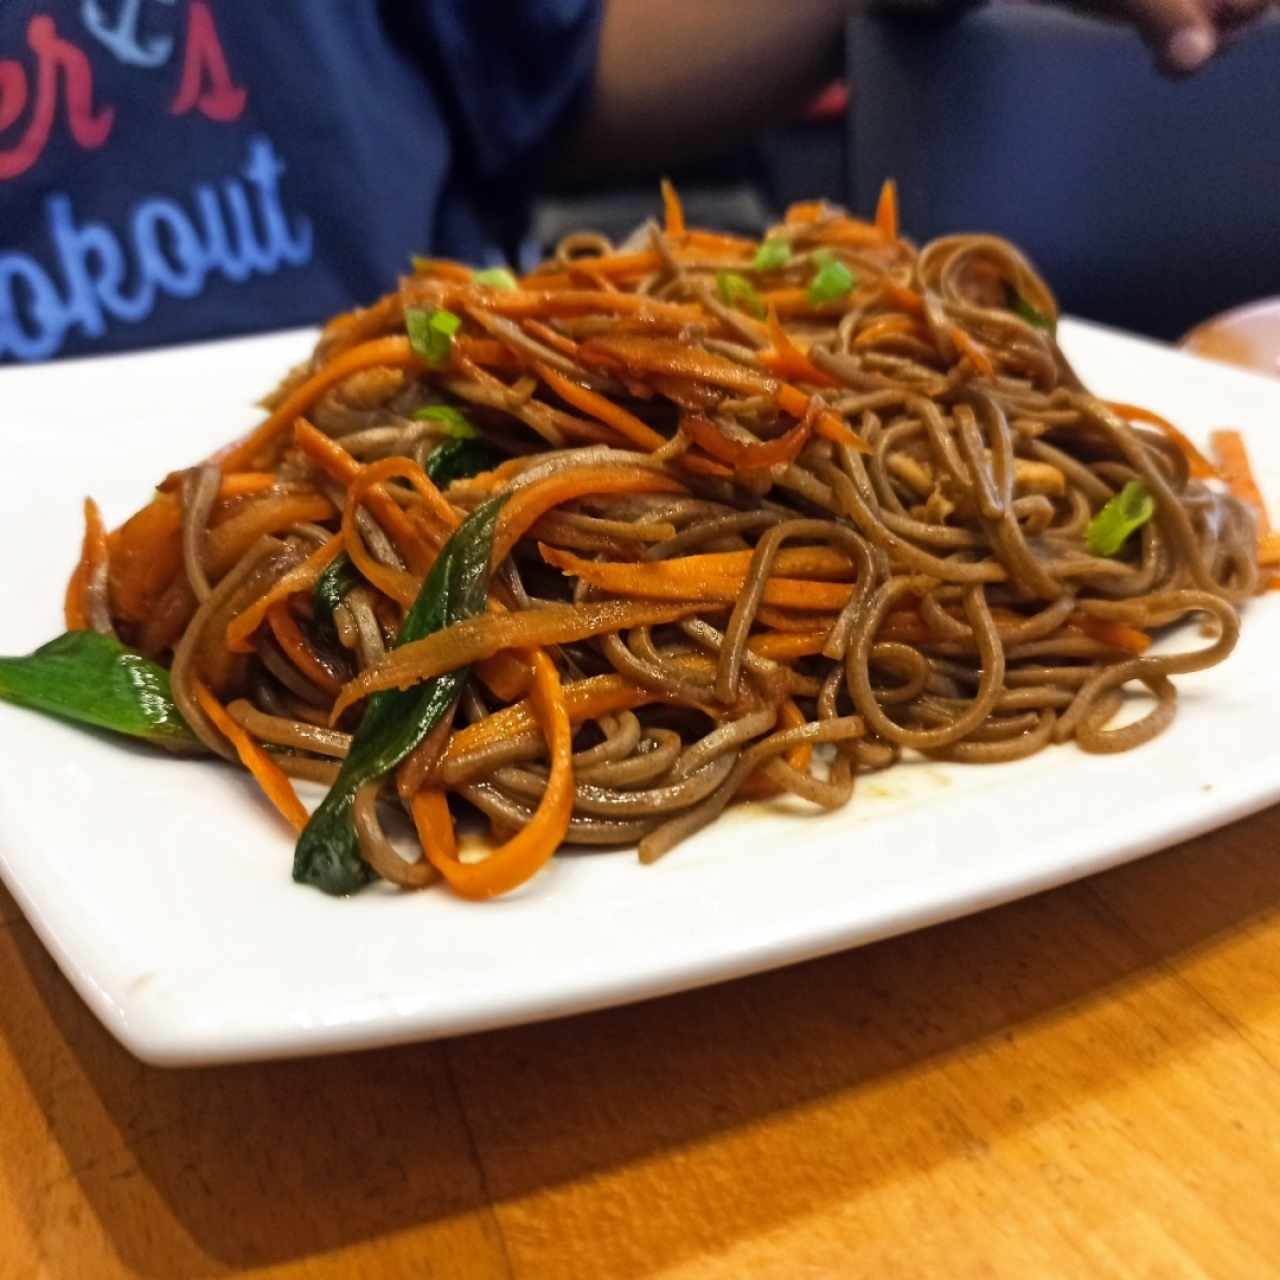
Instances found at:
x=163 y=889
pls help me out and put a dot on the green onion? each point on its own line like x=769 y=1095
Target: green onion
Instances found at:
x=1032 y=315
x=737 y=291
x=773 y=255
x=456 y=425
x=396 y=720
x=454 y=459
x=339 y=577
x=832 y=279
x=93 y=679
x=1128 y=510
x=431 y=333
x=496 y=278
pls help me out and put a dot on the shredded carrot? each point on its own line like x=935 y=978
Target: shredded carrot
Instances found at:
x=890 y=326
x=782 y=646
x=289 y=636
x=245 y=484
x=700 y=465
x=785 y=359
x=231 y=539
x=1201 y=467
x=444 y=268
x=507 y=675
x=268 y=775
x=586 y=700
x=669 y=580
x=1119 y=635
x=794 y=401
x=336 y=462
x=518 y=304
x=672 y=209
x=433 y=822
x=528 y=505
x=887 y=210
x=552 y=337
x=1269 y=549
x=627 y=425
x=900 y=296
x=400 y=585
x=521 y=857
x=394 y=351
x=791 y=300
x=744 y=457
x=803 y=212
x=93 y=559
x=146 y=552
x=301 y=578
x=481 y=637
x=1233 y=463
x=973 y=352
x=488 y=353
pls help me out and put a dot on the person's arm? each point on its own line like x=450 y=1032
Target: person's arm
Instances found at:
x=680 y=78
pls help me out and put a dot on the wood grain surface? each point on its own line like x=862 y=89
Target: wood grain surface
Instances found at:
x=1083 y=1084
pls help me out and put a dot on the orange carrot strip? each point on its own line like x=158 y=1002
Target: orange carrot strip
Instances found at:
x=393 y=350
x=627 y=425
x=794 y=301
x=520 y=303
x=1233 y=462
x=902 y=298
x=268 y=775
x=1269 y=549
x=401 y=586
x=145 y=554
x=434 y=824
x=445 y=268
x=520 y=858
x=785 y=359
x=93 y=557
x=702 y=466
x=586 y=700
x=758 y=786
x=233 y=537
x=794 y=401
x=506 y=674
x=973 y=352
x=744 y=457
x=336 y=462
x=526 y=506
x=1119 y=635
x=487 y=352
x=783 y=645
x=672 y=209
x=552 y=337
x=1200 y=465
x=301 y=578
x=805 y=211
x=890 y=326
x=887 y=210
x=291 y=639
x=481 y=637
x=668 y=580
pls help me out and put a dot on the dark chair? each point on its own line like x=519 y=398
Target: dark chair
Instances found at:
x=1146 y=203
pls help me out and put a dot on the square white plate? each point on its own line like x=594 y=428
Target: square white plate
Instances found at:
x=162 y=887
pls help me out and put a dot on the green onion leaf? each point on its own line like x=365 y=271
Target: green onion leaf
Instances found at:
x=1128 y=510
x=496 y=278
x=831 y=281
x=454 y=459
x=431 y=333
x=737 y=291
x=93 y=679
x=773 y=255
x=456 y=425
x=339 y=577
x=1032 y=315
x=396 y=720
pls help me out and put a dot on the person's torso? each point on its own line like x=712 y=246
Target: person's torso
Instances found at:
x=178 y=169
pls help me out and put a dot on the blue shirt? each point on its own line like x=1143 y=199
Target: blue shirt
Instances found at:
x=181 y=169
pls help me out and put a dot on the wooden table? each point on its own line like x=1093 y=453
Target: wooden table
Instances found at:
x=1086 y=1083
